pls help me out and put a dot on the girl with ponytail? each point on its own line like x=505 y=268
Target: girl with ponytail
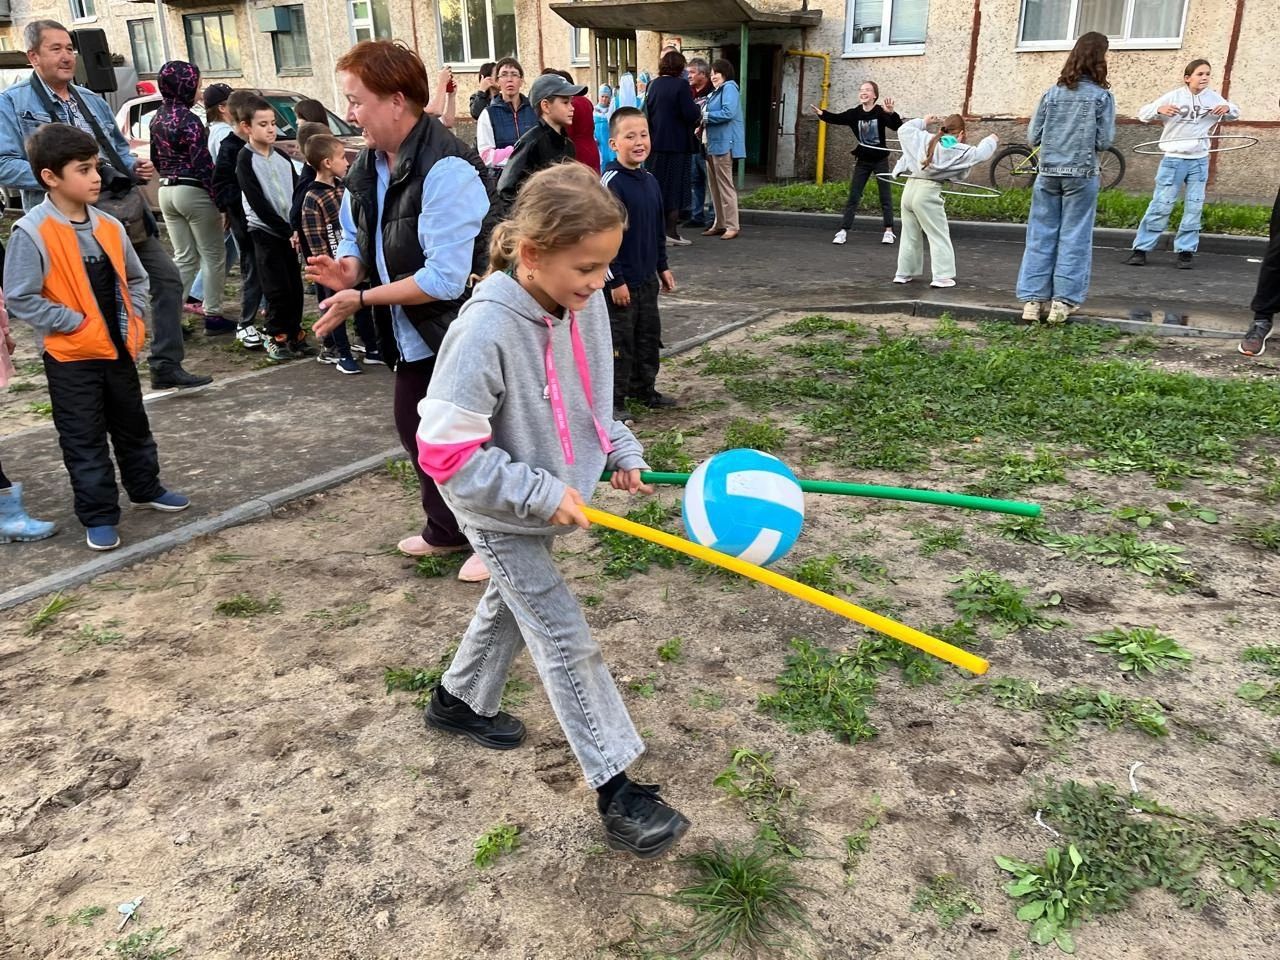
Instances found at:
x=929 y=161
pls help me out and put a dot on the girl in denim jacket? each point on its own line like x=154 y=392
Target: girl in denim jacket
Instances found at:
x=1074 y=120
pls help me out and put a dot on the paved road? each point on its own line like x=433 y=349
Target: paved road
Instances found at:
x=248 y=437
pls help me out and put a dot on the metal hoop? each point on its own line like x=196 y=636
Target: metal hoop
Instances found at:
x=1156 y=152
x=987 y=193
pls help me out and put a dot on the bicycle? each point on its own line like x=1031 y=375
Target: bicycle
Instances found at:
x=1016 y=166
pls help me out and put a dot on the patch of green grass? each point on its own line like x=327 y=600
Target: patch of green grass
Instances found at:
x=822 y=573
x=435 y=565
x=53 y=608
x=770 y=803
x=1016 y=472
x=857 y=844
x=347 y=615
x=761 y=434
x=936 y=539
x=1261 y=696
x=1192 y=511
x=1150 y=558
x=665 y=452
x=625 y=554
x=84 y=917
x=1265 y=535
x=403 y=473
x=706 y=700
x=22 y=387
x=1143 y=649
x=41 y=408
x=721 y=363
x=246 y=606
x=1064 y=712
x=494 y=843
x=89 y=636
x=1141 y=517
x=144 y=945
x=743 y=900
x=984 y=594
x=820 y=323
x=1268 y=656
x=1273 y=757
x=645 y=687
x=672 y=650
x=947 y=897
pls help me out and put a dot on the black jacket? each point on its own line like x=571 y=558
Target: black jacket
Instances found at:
x=428 y=142
x=868 y=128
x=479 y=103
x=251 y=187
x=673 y=115
x=536 y=150
x=226 y=188
x=301 y=184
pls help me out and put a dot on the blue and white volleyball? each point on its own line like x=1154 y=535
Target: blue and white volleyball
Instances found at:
x=745 y=503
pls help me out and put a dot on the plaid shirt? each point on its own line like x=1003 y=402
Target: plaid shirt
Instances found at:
x=321 y=230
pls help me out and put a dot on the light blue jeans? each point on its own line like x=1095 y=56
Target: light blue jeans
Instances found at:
x=1058 y=259
x=527 y=603
x=1173 y=173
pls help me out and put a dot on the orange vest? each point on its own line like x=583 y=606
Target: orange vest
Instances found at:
x=67 y=282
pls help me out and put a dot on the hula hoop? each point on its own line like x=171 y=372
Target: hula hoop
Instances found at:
x=1156 y=152
x=979 y=191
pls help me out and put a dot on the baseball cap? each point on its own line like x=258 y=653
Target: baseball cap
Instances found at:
x=215 y=93
x=551 y=85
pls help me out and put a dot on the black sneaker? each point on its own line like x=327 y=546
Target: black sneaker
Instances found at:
x=1137 y=258
x=639 y=821
x=503 y=732
x=1184 y=260
x=659 y=401
x=174 y=377
x=1254 y=343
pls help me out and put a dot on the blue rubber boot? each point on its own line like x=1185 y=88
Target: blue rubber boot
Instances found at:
x=14 y=522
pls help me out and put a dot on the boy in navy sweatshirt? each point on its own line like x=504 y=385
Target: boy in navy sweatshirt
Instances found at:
x=641 y=264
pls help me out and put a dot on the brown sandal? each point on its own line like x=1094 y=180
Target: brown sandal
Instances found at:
x=728 y=234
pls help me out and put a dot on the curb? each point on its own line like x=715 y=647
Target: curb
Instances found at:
x=1006 y=232
x=256 y=509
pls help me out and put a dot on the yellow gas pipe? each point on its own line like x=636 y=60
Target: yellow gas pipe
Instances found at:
x=826 y=85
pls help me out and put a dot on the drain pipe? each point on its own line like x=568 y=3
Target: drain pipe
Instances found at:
x=826 y=86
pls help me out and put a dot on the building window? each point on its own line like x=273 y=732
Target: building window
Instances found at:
x=293 y=57
x=370 y=20
x=212 y=43
x=615 y=55
x=1055 y=24
x=580 y=45
x=878 y=28
x=147 y=56
x=473 y=31
x=83 y=10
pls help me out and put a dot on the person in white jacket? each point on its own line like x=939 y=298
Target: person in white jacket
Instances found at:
x=929 y=161
x=1189 y=115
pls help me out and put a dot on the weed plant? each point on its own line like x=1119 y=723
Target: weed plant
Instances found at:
x=755 y=435
x=246 y=606
x=719 y=363
x=947 y=897
x=403 y=473
x=143 y=945
x=857 y=844
x=1064 y=712
x=56 y=605
x=1265 y=535
x=822 y=573
x=1268 y=656
x=771 y=804
x=494 y=843
x=1143 y=649
x=625 y=554
x=435 y=565
x=672 y=650
x=665 y=452
x=987 y=595
x=84 y=917
x=936 y=539
x=1123 y=550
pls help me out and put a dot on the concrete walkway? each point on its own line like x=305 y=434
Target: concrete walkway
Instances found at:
x=248 y=444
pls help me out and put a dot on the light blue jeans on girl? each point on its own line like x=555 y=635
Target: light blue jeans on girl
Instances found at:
x=527 y=603
x=1058 y=260
x=1172 y=175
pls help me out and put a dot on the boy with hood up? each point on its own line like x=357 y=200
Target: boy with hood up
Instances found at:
x=180 y=152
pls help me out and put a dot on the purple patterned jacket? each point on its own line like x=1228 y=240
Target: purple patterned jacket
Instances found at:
x=179 y=142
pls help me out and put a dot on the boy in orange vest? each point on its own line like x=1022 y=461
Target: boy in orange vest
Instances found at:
x=71 y=273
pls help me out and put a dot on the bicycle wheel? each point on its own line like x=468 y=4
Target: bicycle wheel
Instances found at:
x=1013 y=167
x=1111 y=162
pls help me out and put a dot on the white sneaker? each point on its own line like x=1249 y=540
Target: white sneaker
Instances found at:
x=888 y=235
x=944 y=282
x=902 y=278
x=248 y=336
x=474 y=570
x=1059 y=310
x=1031 y=311
x=841 y=236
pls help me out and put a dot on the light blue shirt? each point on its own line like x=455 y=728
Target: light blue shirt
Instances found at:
x=454 y=205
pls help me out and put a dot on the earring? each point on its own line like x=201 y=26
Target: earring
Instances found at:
x=529 y=276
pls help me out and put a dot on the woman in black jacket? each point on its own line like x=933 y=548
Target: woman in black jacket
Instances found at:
x=673 y=116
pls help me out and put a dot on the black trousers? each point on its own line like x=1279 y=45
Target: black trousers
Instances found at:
x=1266 y=301
x=281 y=282
x=93 y=400
x=250 y=285
x=862 y=172
x=412 y=379
x=637 y=340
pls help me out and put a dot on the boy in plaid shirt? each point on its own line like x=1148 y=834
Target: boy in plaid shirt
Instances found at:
x=320 y=234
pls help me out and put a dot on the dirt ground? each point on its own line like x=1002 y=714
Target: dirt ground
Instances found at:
x=253 y=779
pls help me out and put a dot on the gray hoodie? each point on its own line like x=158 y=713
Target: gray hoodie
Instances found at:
x=490 y=435
x=949 y=163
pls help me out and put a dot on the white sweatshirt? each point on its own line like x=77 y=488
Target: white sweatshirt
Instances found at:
x=1186 y=136
x=949 y=163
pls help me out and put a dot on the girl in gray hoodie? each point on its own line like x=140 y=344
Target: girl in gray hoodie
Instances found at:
x=516 y=428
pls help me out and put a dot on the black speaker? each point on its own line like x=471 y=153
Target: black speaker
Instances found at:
x=93 y=66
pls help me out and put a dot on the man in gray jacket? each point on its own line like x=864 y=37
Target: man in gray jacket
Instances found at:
x=49 y=96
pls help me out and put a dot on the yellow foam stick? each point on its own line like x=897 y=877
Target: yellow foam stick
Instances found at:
x=931 y=645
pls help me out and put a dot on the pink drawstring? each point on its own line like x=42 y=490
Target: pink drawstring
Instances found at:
x=557 y=395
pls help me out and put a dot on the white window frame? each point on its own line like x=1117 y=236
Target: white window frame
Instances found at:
x=883 y=48
x=366 y=23
x=83 y=11
x=1117 y=43
x=470 y=62
x=578 y=56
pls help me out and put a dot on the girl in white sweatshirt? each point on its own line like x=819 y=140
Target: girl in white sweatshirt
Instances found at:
x=929 y=161
x=1189 y=115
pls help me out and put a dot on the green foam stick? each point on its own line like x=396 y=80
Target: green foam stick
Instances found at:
x=942 y=499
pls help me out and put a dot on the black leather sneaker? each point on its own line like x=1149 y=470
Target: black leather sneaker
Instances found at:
x=174 y=377
x=503 y=732
x=1184 y=260
x=1137 y=258
x=639 y=821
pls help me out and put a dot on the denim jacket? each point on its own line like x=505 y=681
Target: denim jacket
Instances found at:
x=1070 y=127
x=22 y=113
x=726 y=133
